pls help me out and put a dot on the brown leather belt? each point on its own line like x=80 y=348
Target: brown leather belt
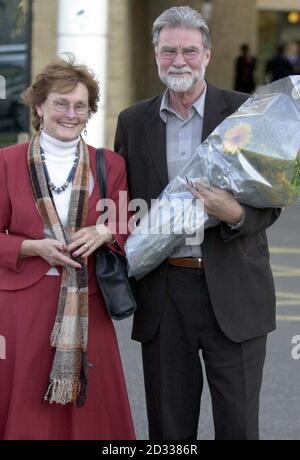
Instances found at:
x=187 y=262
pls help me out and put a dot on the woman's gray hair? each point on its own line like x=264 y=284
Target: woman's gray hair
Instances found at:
x=182 y=16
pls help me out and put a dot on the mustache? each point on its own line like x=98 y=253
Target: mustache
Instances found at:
x=179 y=71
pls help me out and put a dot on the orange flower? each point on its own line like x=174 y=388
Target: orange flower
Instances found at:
x=237 y=137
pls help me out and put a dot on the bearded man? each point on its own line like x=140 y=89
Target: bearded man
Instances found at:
x=217 y=297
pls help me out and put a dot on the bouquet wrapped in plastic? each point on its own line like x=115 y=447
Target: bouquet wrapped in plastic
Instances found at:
x=254 y=154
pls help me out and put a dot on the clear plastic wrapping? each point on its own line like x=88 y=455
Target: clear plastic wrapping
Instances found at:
x=254 y=154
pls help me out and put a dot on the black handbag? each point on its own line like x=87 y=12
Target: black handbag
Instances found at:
x=111 y=268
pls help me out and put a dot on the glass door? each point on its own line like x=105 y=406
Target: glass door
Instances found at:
x=278 y=31
x=15 y=46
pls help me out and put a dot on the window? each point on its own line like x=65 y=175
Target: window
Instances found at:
x=14 y=67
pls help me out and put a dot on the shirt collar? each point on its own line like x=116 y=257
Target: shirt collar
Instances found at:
x=198 y=106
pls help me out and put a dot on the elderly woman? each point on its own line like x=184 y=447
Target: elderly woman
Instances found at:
x=48 y=291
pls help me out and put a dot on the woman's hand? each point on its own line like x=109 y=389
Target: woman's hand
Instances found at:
x=52 y=251
x=88 y=239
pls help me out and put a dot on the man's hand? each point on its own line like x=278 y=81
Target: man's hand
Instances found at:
x=88 y=239
x=218 y=203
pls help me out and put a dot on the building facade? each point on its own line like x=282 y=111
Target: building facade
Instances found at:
x=114 y=38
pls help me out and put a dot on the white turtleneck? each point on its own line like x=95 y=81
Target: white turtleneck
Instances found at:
x=59 y=157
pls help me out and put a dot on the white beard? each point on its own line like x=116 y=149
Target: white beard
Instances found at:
x=178 y=83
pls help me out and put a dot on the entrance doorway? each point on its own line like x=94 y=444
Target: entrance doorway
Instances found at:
x=275 y=28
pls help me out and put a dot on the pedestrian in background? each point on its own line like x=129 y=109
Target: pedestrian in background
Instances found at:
x=292 y=54
x=244 y=71
x=278 y=66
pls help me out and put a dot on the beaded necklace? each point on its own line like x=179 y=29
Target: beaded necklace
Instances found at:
x=70 y=177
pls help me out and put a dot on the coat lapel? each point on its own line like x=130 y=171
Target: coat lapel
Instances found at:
x=214 y=109
x=155 y=130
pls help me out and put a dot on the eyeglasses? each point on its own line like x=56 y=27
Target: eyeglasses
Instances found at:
x=170 y=54
x=64 y=106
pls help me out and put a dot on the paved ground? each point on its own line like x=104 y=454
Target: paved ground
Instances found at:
x=280 y=397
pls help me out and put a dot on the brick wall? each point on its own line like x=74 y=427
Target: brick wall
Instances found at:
x=120 y=78
x=44 y=33
x=233 y=23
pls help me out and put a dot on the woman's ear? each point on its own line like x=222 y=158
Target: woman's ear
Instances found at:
x=39 y=110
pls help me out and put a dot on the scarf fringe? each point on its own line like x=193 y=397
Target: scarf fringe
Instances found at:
x=63 y=392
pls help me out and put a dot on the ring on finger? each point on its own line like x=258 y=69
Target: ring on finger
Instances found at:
x=86 y=245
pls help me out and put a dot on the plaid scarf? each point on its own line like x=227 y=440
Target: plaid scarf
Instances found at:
x=68 y=377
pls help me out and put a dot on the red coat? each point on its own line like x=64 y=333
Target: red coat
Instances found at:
x=27 y=317
x=20 y=220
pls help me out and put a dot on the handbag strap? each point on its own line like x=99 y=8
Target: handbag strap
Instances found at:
x=101 y=172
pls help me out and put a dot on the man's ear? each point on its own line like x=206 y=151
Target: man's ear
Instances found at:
x=207 y=57
x=156 y=55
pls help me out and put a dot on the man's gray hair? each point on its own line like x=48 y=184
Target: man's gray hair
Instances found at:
x=182 y=16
